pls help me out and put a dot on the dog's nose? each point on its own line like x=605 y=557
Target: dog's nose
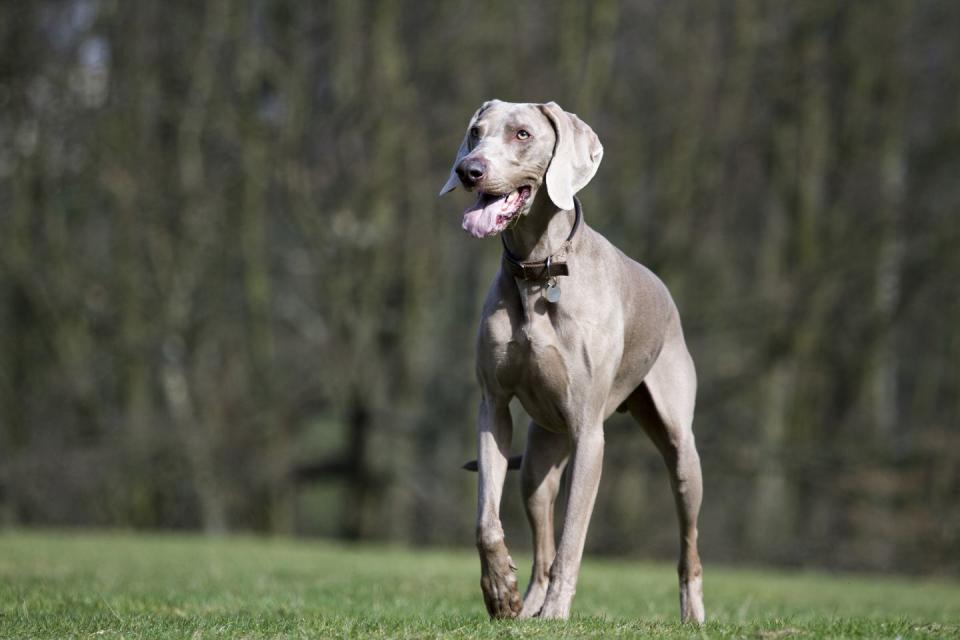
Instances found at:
x=471 y=171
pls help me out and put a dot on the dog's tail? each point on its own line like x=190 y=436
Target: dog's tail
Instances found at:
x=513 y=462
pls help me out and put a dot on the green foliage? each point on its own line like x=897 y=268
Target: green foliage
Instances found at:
x=118 y=586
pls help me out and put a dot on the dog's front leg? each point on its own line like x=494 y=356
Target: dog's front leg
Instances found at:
x=584 y=480
x=498 y=578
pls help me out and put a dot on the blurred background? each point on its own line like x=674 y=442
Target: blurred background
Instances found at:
x=231 y=301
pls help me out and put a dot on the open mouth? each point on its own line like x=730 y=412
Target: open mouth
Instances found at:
x=491 y=214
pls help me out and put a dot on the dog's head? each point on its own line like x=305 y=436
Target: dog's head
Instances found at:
x=510 y=151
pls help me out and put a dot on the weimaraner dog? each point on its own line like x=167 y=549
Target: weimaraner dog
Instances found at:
x=576 y=330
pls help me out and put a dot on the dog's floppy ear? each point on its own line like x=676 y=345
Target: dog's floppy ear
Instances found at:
x=576 y=155
x=464 y=149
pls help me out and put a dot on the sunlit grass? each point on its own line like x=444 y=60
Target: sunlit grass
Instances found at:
x=121 y=585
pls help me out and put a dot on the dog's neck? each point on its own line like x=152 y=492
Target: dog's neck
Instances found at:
x=540 y=233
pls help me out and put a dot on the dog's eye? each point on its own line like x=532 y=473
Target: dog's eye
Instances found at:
x=523 y=134
x=474 y=132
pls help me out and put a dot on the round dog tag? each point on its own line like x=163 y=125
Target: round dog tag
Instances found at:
x=553 y=292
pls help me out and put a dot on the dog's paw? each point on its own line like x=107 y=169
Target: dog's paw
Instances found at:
x=691 y=600
x=533 y=600
x=554 y=610
x=498 y=581
x=556 y=605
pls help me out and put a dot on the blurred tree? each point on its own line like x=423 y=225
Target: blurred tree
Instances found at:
x=230 y=300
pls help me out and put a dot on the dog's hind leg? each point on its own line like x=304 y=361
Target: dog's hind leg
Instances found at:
x=543 y=463
x=663 y=405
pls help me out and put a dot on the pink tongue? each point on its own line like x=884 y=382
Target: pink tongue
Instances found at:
x=481 y=222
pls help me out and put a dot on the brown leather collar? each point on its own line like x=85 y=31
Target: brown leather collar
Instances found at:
x=555 y=265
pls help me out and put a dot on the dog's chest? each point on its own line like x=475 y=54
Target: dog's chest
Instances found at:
x=534 y=365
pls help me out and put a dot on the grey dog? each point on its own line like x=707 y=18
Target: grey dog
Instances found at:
x=575 y=330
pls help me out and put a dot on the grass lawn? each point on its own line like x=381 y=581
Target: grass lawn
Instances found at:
x=106 y=585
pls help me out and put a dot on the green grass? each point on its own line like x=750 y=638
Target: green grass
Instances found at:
x=121 y=585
